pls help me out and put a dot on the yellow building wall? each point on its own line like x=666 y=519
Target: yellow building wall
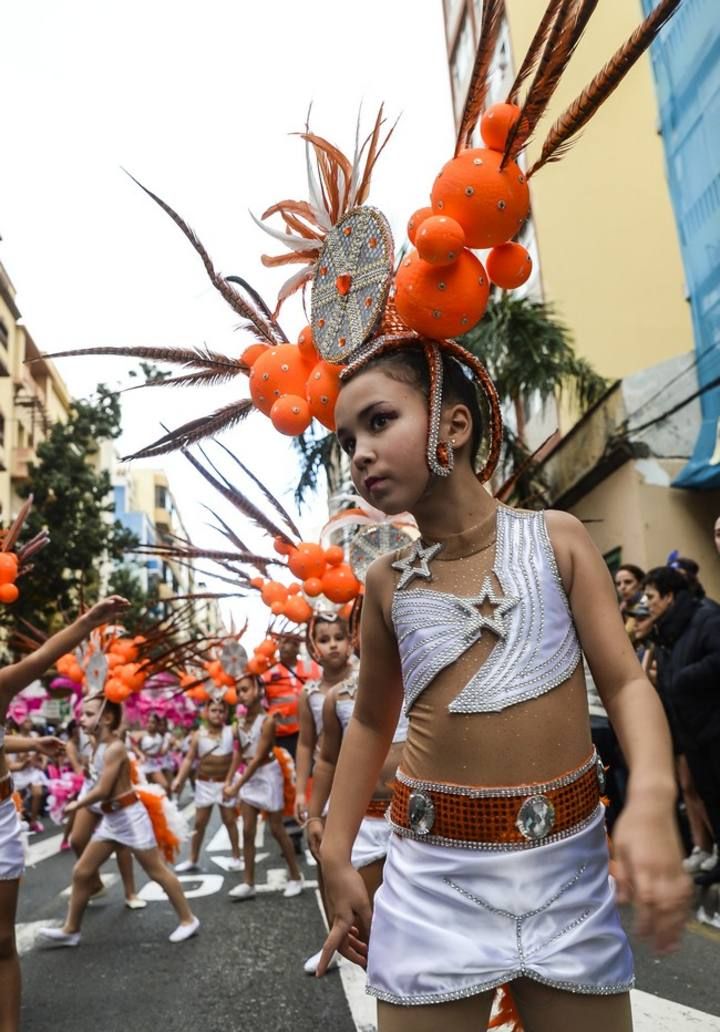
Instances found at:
x=609 y=255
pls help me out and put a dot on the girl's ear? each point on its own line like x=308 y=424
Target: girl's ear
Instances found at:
x=456 y=424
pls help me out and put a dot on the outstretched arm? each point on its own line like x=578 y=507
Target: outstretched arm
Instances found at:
x=185 y=766
x=303 y=764
x=645 y=839
x=19 y=675
x=48 y=745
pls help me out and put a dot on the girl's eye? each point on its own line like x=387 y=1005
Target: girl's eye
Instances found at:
x=380 y=420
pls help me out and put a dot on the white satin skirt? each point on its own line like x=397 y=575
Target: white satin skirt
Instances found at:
x=12 y=858
x=372 y=842
x=153 y=765
x=451 y=922
x=22 y=779
x=210 y=793
x=265 y=790
x=130 y=827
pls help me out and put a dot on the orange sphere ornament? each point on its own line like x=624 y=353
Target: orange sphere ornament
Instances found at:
x=308 y=560
x=231 y=697
x=252 y=354
x=416 y=220
x=257 y=582
x=440 y=240
x=262 y=663
x=509 y=265
x=489 y=204
x=253 y=666
x=340 y=584
x=441 y=303
x=266 y=647
x=298 y=610
x=291 y=415
x=116 y=690
x=76 y=673
x=280 y=370
x=295 y=588
x=321 y=390
x=277 y=608
x=334 y=555
x=496 y=123
x=8 y=568
x=9 y=593
x=313 y=587
x=274 y=591
x=306 y=347
x=282 y=547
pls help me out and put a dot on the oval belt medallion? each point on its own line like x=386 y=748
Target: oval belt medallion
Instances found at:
x=535 y=818
x=421 y=813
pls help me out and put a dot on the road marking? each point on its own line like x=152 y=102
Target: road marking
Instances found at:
x=39 y=851
x=363 y=1008
x=205 y=885
x=220 y=842
x=224 y=862
x=654 y=1014
x=108 y=881
x=26 y=932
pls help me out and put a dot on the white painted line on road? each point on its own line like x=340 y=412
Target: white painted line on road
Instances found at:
x=220 y=842
x=224 y=862
x=363 y=1008
x=108 y=881
x=654 y=1014
x=26 y=931
x=281 y=888
x=205 y=885
x=40 y=851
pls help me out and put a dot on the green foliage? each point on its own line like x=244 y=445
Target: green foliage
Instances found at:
x=319 y=452
x=144 y=606
x=73 y=500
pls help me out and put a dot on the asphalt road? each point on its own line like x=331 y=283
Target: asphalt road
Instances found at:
x=243 y=972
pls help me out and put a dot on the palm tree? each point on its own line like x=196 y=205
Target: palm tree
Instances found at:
x=527 y=351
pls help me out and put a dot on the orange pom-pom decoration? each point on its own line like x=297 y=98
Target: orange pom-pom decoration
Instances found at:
x=253 y=666
x=340 y=584
x=313 y=587
x=266 y=647
x=8 y=568
x=489 y=204
x=321 y=390
x=416 y=220
x=509 y=265
x=346 y=611
x=226 y=679
x=334 y=555
x=199 y=694
x=440 y=240
x=297 y=609
x=496 y=123
x=76 y=673
x=306 y=346
x=252 y=354
x=9 y=593
x=65 y=662
x=274 y=591
x=280 y=370
x=441 y=303
x=257 y=582
x=115 y=690
x=231 y=697
x=308 y=560
x=277 y=608
x=291 y=415
x=295 y=588
x=282 y=547
x=262 y=663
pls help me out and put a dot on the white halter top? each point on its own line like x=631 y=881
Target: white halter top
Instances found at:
x=250 y=737
x=536 y=647
x=221 y=746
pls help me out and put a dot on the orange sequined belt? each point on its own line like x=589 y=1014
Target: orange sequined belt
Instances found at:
x=112 y=805
x=6 y=788
x=512 y=817
x=377 y=808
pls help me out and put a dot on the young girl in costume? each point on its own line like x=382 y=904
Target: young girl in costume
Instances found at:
x=13 y=679
x=152 y=747
x=125 y=821
x=261 y=787
x=212 y=746
x=498 y=866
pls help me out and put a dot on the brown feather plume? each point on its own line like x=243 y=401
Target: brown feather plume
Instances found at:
x=563 y=38
x=189 y=358
x=196 y=430
x=477 y=91
x=533 y=51
x=578 y=114
x=277 y=505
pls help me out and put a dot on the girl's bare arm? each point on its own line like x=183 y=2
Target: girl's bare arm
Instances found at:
x=329 y=752
x=265 y=745
x=306 y=746
x=115 y=756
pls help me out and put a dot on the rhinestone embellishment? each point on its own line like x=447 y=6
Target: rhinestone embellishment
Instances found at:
x=421 y=813
x=535 y=818
x=423 y=557
x=602 y=780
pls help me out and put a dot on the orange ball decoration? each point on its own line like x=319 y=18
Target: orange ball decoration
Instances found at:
x=76 y=673
x=282 y=547
x=116 y=691
x=313 y=587
x=231 y=697
x=266 y=647
x=306 y=347
x=441 y=303
x=509 y=265
x=8 y=568
x=308 y=560
x=277 y=608
x=291 y=415
x=496 y=123
x=253 y=666
x=257 y=582
x=294 y=588
x=334 y=555
x=252 y=354
x=298 y=610
x=340 y=584
x=262 y=663
x=489 y=204
x=280 y=370
x=416 y=220
x=9 y=593
x=273 y=591
x=440 y=240
x=321 y=390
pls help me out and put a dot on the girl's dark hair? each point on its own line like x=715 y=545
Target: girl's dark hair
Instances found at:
x=113 y=708
x=665 y=580
x=408 y=364
x=637 y=573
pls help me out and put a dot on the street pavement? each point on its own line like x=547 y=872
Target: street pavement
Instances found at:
x=243 y=972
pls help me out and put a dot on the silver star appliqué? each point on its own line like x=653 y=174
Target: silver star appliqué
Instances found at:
x=502 y=604
x=423 y=557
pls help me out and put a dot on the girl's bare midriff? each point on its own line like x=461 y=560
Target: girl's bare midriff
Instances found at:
x=211 y=767
x=383 y=788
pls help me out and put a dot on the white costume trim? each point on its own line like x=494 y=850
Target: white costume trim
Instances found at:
x=210 y=793
x=12 y=859
x=265 y=789
x=371 y=842
x=131 y=826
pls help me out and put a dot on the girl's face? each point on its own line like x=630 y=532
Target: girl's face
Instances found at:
x=152 y=725
x=332 y=645
x=247 y=691
x=216 y=714
x=382 y=426
x=626 y=585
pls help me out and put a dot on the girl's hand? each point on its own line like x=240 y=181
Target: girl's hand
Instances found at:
x=351 y=915
x=106 y=610
x=71 y=807
x=648 y=871
x=50 y=746
x=314 y=830
x=229 y=791
x=300 y=809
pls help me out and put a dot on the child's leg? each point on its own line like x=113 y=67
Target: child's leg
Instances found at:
x=125 y=866
x=36 y=796
x=543 y=1009
x=249 y=818
x=156 y=869
x=230 y=821
x=468 y=1015
x=85 y=878
x=202 y=816
x=283 y=840
x=9 y=963
x=372 y=875
x=83 y=825
x=694 y=807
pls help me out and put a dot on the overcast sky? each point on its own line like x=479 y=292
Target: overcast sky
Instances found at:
x=198 y=100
